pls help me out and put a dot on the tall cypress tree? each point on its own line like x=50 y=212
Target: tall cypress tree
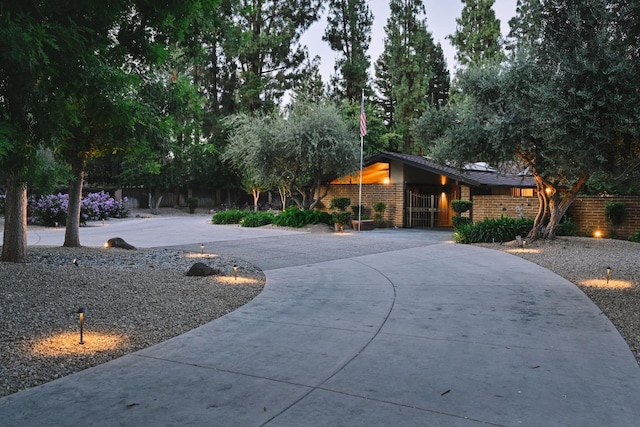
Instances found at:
x=405 y=72
x=349 y=32
x=477 y=36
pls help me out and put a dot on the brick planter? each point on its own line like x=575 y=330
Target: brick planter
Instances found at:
x=365 y=224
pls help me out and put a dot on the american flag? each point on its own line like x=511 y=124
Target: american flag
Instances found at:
x=363 y=119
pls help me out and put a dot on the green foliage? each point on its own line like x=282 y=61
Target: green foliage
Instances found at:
x=257 y=219
x=614 y=211
x=300 y=153
x=461 y=206
x=566 y=227
x=294 y=217
x=340 y=203
x=192 y=202
x=341 y=217
x=379 y=209
x=459 y=221
x=348 y=32
x=635 y=237
x=356 y=208
x=406 y=71
x=232 y=216
x=493 y=230
x=477 y=36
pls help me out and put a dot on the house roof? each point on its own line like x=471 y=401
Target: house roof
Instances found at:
x=475 y=174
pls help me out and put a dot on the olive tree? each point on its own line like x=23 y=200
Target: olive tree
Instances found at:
x=301 y=152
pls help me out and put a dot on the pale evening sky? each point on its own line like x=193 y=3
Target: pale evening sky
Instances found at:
x=441 y=21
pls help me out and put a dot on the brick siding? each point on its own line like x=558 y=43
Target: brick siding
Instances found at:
x=587 y=212
x=391 y=194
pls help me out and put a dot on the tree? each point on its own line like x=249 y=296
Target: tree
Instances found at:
x=477 y=35
x=405 y=70
x=302 y=152
x=45 y=48
x=309 y=87
x=565 y=106
x=348 y=32
x=265 y=45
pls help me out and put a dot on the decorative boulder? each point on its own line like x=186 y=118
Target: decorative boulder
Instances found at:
x=202 y=270
x=117 y=242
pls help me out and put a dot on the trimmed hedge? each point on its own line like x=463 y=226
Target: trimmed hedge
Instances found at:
x=294 y=217
x=232 y=216
x=257 y=219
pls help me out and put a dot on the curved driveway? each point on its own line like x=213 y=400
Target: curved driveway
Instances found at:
x=388 y=327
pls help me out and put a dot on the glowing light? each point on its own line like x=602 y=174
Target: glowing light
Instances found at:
x=386 y=180
x=604 y=284
x=523 y=250
x=443 y=180
x=66 y=344
x=597 y=234
x=200 y=255
x=229 y=280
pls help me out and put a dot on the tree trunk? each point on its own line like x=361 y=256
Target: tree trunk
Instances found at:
x=14 y=244
x=553 y=207
x=256 y=197
x=72 y=227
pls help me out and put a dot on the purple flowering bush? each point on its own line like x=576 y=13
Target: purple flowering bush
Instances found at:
x=97 y=206
x=52 y=210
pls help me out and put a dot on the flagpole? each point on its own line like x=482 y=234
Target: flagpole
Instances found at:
x=361 y=161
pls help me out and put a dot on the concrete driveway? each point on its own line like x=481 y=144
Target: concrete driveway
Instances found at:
x=389 y=327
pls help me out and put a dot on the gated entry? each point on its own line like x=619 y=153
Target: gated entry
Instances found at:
x=421 y=211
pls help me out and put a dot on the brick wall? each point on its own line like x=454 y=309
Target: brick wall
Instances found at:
x=496 y=206
x=587 y=212
x=391 y=194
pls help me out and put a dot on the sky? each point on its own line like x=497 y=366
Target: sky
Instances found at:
x=441 y=22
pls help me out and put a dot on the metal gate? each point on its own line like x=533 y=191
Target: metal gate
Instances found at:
x=420 y=210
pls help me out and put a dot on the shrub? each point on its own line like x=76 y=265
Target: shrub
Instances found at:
x=493 y=230
x=97 y=206
x=341 y=217
x=51 y=210
x=566 y=227
x=232 y=216
x=459 y=221
x=294 y=217
x=340 y=203
x=379 y=209
x=635 y=237
x=256 y=219
x=614 y=212
x=461 y=206
x=192 y=202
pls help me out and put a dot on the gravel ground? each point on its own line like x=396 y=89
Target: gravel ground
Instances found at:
x=135 y=299
x=584 y=261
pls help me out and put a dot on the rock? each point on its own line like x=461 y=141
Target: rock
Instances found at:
x=202 y=270
x=117 y=242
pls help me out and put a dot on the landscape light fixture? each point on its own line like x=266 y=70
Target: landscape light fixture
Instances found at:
x=81 y=315
x=75 y=262
x=608 y=274
x=202 y=248
x=235 y=272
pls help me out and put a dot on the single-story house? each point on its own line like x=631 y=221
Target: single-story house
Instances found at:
x=418 y=191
